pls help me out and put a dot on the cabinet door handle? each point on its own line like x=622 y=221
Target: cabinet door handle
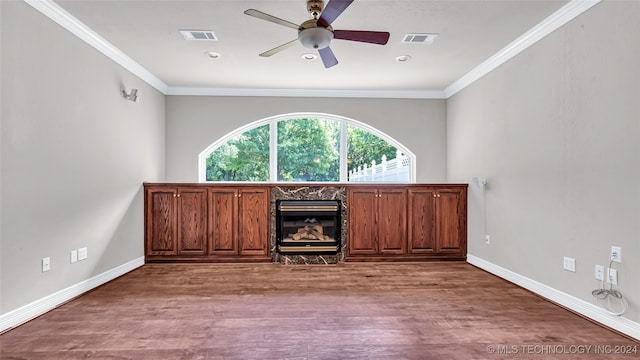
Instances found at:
x=438 y=195
x=174 y=195
x=178 y=195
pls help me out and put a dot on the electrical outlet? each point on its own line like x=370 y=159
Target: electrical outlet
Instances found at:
x=569 y=264
x=616 y=254
x=600 y=272
x=82 y=253
x=487 y=239
x=612 y=276
x=46 y=264
x=74 y=256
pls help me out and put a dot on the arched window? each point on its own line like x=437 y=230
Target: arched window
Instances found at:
x=306 y=147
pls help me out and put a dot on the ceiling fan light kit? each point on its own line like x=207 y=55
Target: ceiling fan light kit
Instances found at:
x=314 y=37
x=317 y=33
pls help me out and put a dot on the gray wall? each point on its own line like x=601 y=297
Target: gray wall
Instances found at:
x=195 y=122
x=74 y=155
x=556 y=131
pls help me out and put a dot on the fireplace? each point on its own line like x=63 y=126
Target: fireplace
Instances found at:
x=308 y=226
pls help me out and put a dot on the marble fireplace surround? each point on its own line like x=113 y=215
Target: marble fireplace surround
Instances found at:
x=314 y=192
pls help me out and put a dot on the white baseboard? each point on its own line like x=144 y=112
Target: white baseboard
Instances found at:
x=50 y=302
x=582 y=307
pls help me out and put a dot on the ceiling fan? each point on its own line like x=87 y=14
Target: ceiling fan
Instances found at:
x=317 y=33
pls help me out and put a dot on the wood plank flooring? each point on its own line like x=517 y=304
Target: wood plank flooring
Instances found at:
x=446 y=310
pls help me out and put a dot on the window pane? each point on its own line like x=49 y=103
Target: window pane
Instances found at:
x=308 y=150
x=243 y=158
x=363 y=148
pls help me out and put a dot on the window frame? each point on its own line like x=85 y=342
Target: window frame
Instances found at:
x=273 y=148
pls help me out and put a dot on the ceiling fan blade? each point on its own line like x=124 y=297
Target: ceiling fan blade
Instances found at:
x=331 y=12
x=371 y=37
x=260 y=15
x=328 y=59
x=277 y=49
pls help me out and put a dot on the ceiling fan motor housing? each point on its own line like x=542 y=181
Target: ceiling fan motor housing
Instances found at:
x=313 y=36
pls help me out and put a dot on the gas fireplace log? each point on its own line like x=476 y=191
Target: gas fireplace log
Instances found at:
x=316 y=234
x=309 y=233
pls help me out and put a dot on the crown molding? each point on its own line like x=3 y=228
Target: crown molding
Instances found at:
x=386 y=94
x=565 y=14
x=562 y=16
x=69 y=22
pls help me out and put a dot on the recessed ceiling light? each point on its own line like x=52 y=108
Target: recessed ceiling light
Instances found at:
x=213 y=54
x=403 y=58
x=309 y=56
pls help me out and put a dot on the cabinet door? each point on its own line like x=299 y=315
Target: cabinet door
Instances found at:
x=161 y=230
x=192 y=221
x=363 y=230
x=223 y=221
x=253 y=237
x=451 y=220
x=392 y=221
x=422 y=227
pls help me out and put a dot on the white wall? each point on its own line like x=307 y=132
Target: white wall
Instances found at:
x=556 y=131
x=74 y=155
x=195 y=122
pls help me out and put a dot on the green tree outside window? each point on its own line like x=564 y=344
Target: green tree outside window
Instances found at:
x=308 y=150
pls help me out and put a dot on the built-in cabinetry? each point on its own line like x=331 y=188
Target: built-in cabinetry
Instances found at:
x=205 y=223
x=407 y=222
x=176 y=221
x=224 y=222
x=437 y=221
x=377 y=221
x=238 y=221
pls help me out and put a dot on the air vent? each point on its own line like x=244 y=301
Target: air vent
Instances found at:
x=204 y=35
x=419 y=38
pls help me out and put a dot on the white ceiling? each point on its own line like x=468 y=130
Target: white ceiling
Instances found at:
x=470 y=32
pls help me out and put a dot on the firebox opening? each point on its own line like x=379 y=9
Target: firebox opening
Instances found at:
x=308 y=226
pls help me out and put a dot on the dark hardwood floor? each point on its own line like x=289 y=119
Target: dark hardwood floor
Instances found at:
x=446 y=310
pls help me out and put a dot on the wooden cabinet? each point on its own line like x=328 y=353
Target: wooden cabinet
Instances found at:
x=161 y=215
x=407 y=222
x=176 y=221
x=437 y=218
x=253 y=234
x=238 y=221
x=362 y=205
x=192 y=221
x=227 y=222
x=377 y=221
x=206 y=223
x=223 y=221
